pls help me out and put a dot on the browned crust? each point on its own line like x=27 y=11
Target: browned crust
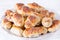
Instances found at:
x=28 y=24
x=33 y=4
x=19 y=5
x=18 y=19
x=8 y=13
x=56 y=22
x=6 y=24
x=30 y=31
x=52 y=15
x=4 y=20
x=26 y=9
x=17 y=16
x=44 y=13
x=32 y=19
x=55 y=25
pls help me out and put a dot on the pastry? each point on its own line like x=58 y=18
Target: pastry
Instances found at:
x=19 y=7
x=55 y=26
x=52 y=15
x=34 y=32
x=8 y=14
x=35 y=6
x=18 y=19
x=25 y=11
x=32 y=20
x=46 y=21
x=6 y=24
x=16 y=30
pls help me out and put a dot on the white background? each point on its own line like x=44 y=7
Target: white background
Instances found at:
x=9 y=4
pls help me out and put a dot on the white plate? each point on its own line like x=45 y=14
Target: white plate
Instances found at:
x=49 y=4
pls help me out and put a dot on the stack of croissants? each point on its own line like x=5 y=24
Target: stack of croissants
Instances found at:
x=31 y=20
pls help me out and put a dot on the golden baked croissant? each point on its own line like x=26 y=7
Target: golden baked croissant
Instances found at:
x=34 y=32
x=19 y=7
x=55 y=26
x=52 y=15
x=16 y=30
x=7 y=24
x=46 y=21
x=44 y=13
x=35 y=6
x=27 y=11
x=18 y=19
x=8 y=14
x=32 y=20
x=24 y=10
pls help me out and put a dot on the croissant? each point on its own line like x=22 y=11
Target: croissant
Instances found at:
x=34 y=32
x=55 y=26
x=7 y=24
x=35 y=6
x=46 y=21
x=27 y=11
x=44 y=13
x=18 y=19
x=19 y=7
x=16 y=30
x=52 y=15
x=32 y=20
x=24 y=10
x=8 y=14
